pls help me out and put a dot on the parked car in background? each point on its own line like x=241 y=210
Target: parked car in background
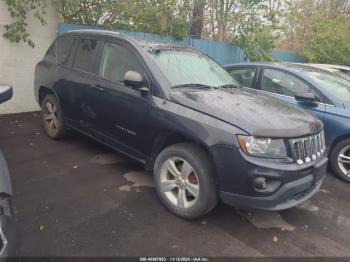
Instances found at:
x=332 y=69
x=314 y=88
x=8 y=238
x=341 y=68
x=180 y=114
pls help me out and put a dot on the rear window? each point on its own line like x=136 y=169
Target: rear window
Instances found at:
x=51 y=54
x=85 y=55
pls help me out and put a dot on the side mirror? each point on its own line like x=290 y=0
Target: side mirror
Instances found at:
x=6 y=93
x=136 y=81
x=306 y=98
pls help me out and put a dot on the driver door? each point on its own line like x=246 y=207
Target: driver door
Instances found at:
x=120 y=114
x=285 y=86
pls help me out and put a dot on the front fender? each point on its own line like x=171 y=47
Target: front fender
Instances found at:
x=194 y=125
x=336 y=127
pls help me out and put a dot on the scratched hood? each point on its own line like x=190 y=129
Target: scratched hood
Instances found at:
x=255 y=113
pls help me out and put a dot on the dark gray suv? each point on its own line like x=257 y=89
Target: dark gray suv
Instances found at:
x=180 y=114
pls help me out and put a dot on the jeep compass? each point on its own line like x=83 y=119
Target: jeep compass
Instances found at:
x=180 y=114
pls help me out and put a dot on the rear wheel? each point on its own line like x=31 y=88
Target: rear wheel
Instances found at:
x=184 y=179
x=52 y=118
x=340 y=159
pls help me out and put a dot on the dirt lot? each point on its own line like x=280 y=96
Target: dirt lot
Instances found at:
x=77 y=198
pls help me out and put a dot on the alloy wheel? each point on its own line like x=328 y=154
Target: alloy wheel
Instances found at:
x=50 y=116
x=179 y=182
x=344 y=160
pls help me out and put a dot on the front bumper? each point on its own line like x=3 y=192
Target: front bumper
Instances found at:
x=236 y=173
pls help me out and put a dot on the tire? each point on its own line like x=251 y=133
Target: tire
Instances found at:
x=338 y=167
x=189 y=194
x=52 y=117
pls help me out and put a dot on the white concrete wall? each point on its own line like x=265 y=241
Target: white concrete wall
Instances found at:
x=17 y=61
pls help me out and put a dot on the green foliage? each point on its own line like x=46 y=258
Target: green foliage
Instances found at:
x=320 y=30
x=257 y=43
x=19 y=9
x=153 y=16
x=256 y=35
x=330 y=41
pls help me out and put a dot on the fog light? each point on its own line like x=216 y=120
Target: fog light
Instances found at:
x=266 y=185
x=260 y=183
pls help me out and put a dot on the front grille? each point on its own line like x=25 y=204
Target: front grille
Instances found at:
x=308 y=149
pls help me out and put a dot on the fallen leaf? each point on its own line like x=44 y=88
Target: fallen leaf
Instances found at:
x=275 y=239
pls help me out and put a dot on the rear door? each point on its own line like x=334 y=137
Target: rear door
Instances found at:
x=284 y=85
x=79 y=77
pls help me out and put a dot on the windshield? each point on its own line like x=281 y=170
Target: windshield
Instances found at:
x=337 y=85
x=184 y=68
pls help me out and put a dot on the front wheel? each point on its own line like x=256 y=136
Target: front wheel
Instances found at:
x=184 y=179
x=340 y=159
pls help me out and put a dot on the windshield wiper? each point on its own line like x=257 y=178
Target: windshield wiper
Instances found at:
x=197 y=86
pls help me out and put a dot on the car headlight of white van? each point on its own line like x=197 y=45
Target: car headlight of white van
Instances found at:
x=263 y=147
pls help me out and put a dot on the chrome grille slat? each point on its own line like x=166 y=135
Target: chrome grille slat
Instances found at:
x=308 y=149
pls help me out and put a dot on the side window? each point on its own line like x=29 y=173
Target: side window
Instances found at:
x=51 y=54
x=64 y=45
x=85 y=55
x=116 y=61
x=282 y=83
x=244 y=76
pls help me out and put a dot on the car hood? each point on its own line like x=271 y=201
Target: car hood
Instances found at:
x=257 y=114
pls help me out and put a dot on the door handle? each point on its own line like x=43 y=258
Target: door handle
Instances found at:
x=98 y=87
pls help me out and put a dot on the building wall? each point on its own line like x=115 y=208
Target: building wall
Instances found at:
x=17 y=61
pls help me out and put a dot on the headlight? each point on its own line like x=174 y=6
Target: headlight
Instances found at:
x=263 y=147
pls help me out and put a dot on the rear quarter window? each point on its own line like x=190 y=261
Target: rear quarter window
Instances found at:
x=64 y=46
x=51 y=54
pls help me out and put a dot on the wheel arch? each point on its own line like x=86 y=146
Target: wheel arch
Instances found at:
x=44 y=91
x=167 y=138
x=337 y=140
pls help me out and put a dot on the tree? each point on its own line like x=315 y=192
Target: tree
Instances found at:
x=252 y=24
x=319 y=30
x=197 y=18
x=16 y=31
x=330 y=41
x=258 y=34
